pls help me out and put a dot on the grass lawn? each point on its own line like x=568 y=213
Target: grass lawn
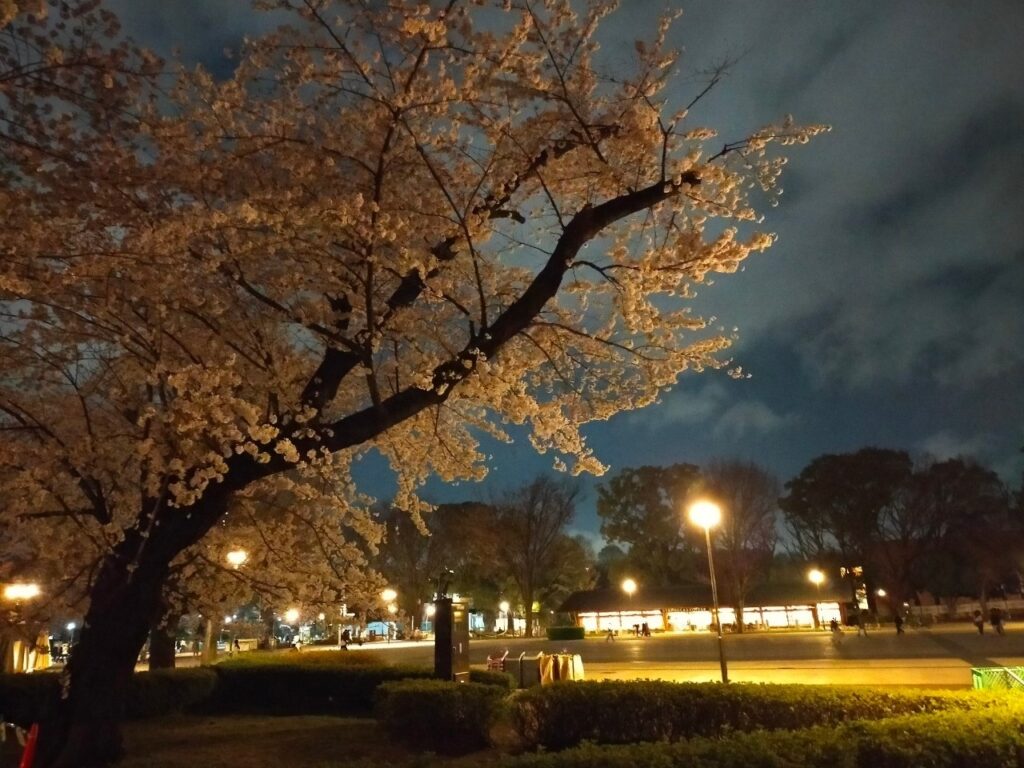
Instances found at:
x=312 y=741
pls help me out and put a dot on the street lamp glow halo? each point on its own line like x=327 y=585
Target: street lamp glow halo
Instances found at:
x=629 y=586
x=291 y=615
x=704 y=513
x=503 y=606
x=21 y=591
x=388 y=595
x=237 y=557
x=815 y=576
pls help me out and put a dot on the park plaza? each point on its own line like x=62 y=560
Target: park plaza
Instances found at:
x=688 y=608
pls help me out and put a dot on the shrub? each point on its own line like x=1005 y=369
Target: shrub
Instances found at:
x=27 y=699
x=564 y=714
x=169 y=691
x=566 y=633
x=487 y=677
x=319 y=688
x=32 y=698
x=437 y=714
x=965 y=739
x=307 y=659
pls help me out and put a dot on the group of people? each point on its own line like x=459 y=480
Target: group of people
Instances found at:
x=639 y=630
x=995 y=618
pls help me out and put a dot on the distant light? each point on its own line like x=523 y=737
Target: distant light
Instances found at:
x=431 y=610
x=629 y=586
x=21 y=591
x=705 y=513
x=503 y=606
x=322 y=616
x=291 y=615
x=880 y=592
x=816 y=577
x=388 y=595
x=236 y=557
x=71 y=626
x=392 y=609
x=227 y=619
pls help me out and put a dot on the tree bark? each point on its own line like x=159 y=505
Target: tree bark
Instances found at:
x=210 y=634
x=528 y=599
x=163 y=633
x=161 y=646
x=85 y=730
x=126 y=599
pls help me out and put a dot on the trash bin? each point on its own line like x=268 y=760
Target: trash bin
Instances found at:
x=525 y=671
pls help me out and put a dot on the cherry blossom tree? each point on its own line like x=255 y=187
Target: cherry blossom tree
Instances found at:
x=396 y=227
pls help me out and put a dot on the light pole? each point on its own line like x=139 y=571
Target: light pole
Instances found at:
x=816 y=577
x=504 y=606
x=707 y=515
x=629 y=587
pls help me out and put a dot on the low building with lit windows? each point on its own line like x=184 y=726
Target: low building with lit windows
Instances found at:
x=688 y=608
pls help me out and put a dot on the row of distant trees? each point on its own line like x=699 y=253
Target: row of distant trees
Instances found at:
x=949 y=527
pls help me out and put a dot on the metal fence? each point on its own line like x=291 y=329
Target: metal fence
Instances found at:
x=998 y=678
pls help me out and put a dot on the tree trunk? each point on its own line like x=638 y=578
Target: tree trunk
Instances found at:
x=162 y=637
x=210 y=634
x=85 y=730
x=738 y=611
x=125 y=600
x=268 y=640
x=528 y=599
x=161 y=647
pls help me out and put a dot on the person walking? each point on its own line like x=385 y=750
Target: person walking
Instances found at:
x=899 y=624
x=995 y=616
x=837 y=633
x=610 y=637
x=979 y=622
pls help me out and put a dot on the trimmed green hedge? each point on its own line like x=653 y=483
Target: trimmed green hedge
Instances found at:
x=566 y=633
x=272 y=683
x=968 y=739
x=27 y=699
x=305 y=659
x=565 y=714
x=319 y=689
x=445 y=717
x=487 y=677
x=169 y=692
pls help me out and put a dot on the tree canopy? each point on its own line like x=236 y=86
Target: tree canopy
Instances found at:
x=394 y=227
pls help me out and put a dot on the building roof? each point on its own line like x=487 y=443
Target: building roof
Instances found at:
x=695 y=596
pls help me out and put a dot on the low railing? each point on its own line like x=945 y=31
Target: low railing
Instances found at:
x=997 y=678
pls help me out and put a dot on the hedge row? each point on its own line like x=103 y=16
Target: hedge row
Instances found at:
x=565 y=714
x=27 y=699
x=566 y=633
x=280 y=684
x=437 y=715
x=967 y=739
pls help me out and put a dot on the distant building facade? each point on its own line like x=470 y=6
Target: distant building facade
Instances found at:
x=689 y=608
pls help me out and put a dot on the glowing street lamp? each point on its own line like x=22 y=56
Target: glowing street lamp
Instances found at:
x=291 y=615
x=237 y=557
x=707 y=515
x=388 y=595
x=628 y=586
x=18 y=592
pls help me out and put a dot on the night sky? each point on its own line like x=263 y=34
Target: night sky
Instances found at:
x=891 y=310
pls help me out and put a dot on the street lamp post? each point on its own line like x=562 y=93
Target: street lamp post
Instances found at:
x=816 y=577
x=510 y=629
x=629 y=587
x=707 y=514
